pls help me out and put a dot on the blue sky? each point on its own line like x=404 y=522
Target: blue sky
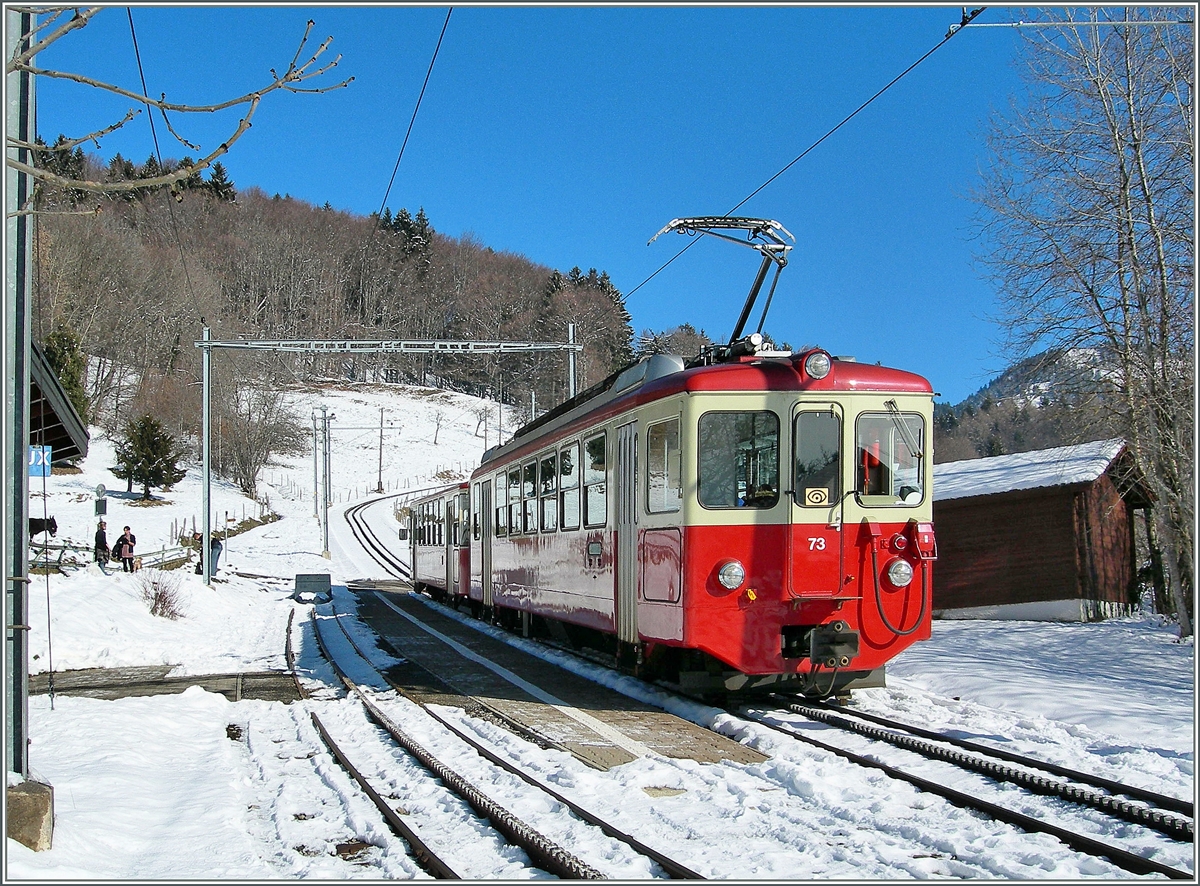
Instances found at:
x=572 y=134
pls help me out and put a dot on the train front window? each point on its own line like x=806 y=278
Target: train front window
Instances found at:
x=818 y=442
x=889 y=469
x=739 y=459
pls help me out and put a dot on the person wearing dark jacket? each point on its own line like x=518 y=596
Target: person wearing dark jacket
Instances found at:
x=125 y=549
x=101 y=548
x=215 y=548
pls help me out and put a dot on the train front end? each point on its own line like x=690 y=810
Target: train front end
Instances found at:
x=808 y=541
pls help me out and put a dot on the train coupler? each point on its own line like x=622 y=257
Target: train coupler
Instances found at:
x=833 y=645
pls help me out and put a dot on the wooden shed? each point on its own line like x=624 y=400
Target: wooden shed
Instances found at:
x=1044 y=535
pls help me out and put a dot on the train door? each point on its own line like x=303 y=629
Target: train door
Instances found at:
x=450 y=540
x=486 y=516
x=626 y=525
x=816 y=561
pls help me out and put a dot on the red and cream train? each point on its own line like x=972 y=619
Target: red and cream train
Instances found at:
x=753 y=520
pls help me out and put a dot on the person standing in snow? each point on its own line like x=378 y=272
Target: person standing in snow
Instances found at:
x=215 y=548
x=101 y=547
x=125 y=549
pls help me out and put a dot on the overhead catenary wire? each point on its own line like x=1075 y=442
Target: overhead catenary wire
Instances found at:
x=968 y=17
x=413 y=121
x=187 y=279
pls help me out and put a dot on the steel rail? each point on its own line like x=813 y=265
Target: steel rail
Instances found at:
x=1122 y=858
x=673 y=868
x=426 y=857
x=371 y=543
x=542 y=851
x=1174 y=804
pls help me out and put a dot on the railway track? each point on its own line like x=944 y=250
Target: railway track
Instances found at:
x=546 y=854
x=1032 y=777
x=1123 y=802
x=371 y=543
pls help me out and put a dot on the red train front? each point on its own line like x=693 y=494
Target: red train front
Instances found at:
x=758 y=522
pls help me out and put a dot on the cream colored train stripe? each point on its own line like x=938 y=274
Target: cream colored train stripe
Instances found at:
x=618 y=738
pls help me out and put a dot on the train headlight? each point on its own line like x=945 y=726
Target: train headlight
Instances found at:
x=731 y=575
x=817 y=364
x=900 y=573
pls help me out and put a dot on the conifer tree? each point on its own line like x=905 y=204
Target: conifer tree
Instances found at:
x=65 y=355
x=148 y=456
x=219 y=183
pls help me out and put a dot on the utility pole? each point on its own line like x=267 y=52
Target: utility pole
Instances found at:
x=316 y=485
x=18 y=253
x=571 y=361
x=379 y=484
x=325 y=417
x=206 y=422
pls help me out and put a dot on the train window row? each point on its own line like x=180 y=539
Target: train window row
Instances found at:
x=427 y=523
x=551 y=493
x=738 y=466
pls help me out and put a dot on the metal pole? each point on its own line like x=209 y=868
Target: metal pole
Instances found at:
x=379 y=485
x=571 y=360
x=316 y=487
x=205 y=544
x=16 y=350
x=327 y=474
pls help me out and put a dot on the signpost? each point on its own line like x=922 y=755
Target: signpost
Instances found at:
x=39 y=461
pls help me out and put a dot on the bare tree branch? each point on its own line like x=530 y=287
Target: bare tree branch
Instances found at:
x=290 y=81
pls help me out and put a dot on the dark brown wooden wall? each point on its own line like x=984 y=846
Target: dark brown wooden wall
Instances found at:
x=1015 y=547
x=1035 y=545
x=1104 y=554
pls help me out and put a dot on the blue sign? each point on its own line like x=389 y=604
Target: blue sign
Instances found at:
x=39 y=461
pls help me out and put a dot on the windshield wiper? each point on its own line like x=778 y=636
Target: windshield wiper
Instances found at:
x=906 y=433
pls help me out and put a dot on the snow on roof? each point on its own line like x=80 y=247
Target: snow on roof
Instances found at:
x=1060 y=466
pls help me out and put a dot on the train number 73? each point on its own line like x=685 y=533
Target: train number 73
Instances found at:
x=816 y=543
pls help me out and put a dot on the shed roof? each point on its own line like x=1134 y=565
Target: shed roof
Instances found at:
x=53 y=421
x=1061 y=466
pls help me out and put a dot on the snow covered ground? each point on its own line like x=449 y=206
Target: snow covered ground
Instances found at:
x=156 y=788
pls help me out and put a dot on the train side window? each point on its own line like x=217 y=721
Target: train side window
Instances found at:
x=568 y=481
x=595 y=476
x=739 y=459
x=439 y=527
x=889 y=469
x=529 y=495
x=818 y=442
x=501 y=487
x=664 y=485
x=452 y=520
x=475 y=511
x=548 y=491
x=464 y=518
x=514 y=500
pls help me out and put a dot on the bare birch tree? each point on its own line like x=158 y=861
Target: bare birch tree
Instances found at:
x=1087 y=217
x=58 y=22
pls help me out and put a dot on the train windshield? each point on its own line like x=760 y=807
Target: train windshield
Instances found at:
x=739 y=459
x=889 y=468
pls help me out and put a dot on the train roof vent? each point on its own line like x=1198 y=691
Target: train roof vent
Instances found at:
x=647 y=370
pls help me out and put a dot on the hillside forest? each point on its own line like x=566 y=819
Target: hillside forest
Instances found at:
x=126 y=281
x=133 y=278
